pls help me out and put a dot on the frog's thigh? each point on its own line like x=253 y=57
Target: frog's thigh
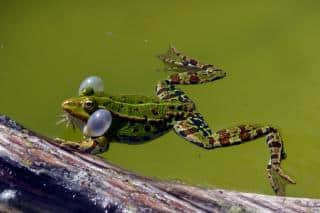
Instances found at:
x=168 y=92
x=195 y=130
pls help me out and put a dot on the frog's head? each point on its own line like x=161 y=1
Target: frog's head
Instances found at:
x=80 y=107
x=84 y=112
x=87 y=111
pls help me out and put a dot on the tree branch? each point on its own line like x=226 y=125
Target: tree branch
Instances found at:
x=39 y=176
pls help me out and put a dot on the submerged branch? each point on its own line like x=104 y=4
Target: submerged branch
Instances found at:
x=38 y=176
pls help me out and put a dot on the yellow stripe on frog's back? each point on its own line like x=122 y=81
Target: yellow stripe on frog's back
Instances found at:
x=148 y=111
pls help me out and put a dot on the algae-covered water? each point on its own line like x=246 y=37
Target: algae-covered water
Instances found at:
x=270 y=50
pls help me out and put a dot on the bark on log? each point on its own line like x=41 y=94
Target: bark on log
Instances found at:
x=38 y=176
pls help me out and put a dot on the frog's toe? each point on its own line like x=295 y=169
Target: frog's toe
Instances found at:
x=278 y=179
x=70 y=144
x=85 y=146
x=285 y=177
x=278 y=170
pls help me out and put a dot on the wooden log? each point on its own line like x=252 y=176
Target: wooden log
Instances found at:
x=39 y=176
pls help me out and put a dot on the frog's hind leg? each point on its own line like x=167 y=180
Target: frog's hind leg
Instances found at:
x=189 y=70
x=197 y=131
x=168 y=92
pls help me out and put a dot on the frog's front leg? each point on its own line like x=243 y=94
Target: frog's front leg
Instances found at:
x=91 y=145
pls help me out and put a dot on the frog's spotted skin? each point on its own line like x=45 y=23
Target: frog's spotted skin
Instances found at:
x=139 y=118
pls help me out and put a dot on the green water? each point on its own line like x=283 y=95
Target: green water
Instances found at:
x=270 y=50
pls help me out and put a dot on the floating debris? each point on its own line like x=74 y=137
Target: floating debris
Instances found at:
x=109 y=33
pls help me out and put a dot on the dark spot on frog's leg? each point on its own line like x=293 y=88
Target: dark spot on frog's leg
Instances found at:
x=211 y=140
x=274 y=143
x=180 y=116
x=194 y=79
x=270 y=137
x=182 y=133
x=135 y=129
x=244 y=136
x=193 y=62
x=185 y=63
x=140 y=102
x=174 y=78
x=187 y=109
x=171 y=107
x=259 y=132
x=224 y=137
x=178 y=93
x=198 y=122
x=206 y=66
x=188 y=131
x=171 y=97
x=163 y=89
x=206 y=132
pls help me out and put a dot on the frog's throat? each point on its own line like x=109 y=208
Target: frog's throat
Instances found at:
x=75 y=121
x=76 y=115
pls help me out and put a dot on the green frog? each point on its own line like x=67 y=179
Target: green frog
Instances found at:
x=136 y=118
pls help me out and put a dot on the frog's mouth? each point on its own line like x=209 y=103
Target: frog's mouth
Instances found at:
x=73 y=114
x=71 y=121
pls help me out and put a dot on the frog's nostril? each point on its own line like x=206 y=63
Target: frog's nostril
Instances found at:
x=65 y=104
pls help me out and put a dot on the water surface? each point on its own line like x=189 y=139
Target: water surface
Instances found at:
x=270 y=50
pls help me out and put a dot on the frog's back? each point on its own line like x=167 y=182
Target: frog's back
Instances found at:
x=143 y=108
x=141 y=118
x=134 y=99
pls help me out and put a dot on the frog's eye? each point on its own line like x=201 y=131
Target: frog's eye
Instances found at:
x=98 y=123
x=91 y=85
x=89 y=105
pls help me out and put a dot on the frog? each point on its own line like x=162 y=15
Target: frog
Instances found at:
x=138 y=118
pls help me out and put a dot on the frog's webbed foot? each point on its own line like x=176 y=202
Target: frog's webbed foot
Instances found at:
x=90 y=145
x=179 y=62
x=189 y=70
x=176 y=61
x=278 y=179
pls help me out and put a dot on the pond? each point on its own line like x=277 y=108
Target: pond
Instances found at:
x=269 y=50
